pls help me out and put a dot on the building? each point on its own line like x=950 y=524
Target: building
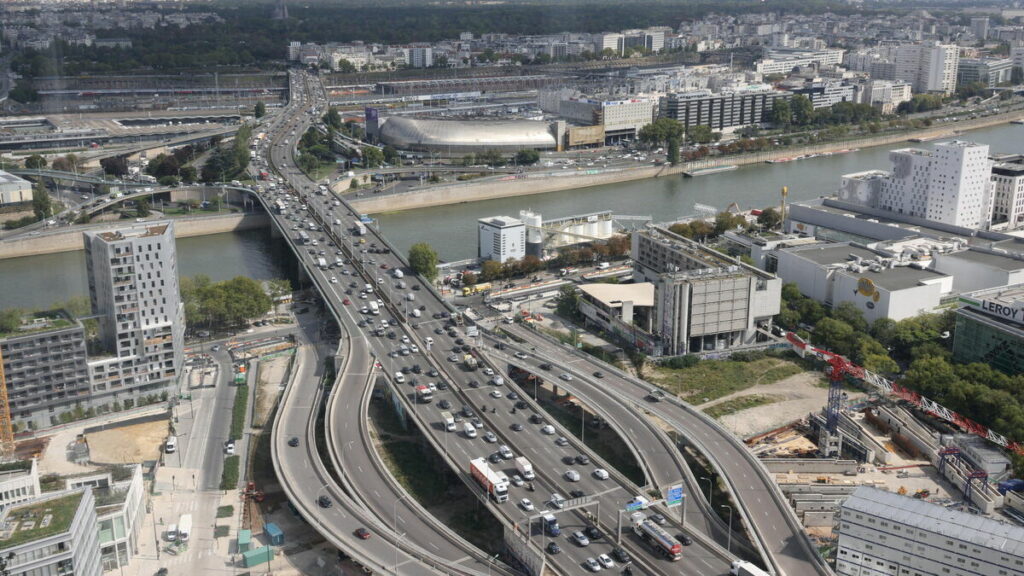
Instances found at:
x=729 y=109
x=949 y=185
x=824 y=94
x=621 y=309
x=928 y=67
x=120 y=511
x=704 y=301
x=990 y=328
x=1008 y=192
x=882 y=533
x=45 y=369
x=619 y=118
x=19 y=482
x=133 y=287
x=458 y=137
x=880 y=285
x=53 y=534
x=420 y=57
x=778 y=60
x=502 y=238
x=887 y=95
x=14 y=190
x=979 y=27
x=988 y=71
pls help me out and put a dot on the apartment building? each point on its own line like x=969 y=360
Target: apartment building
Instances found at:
x=502 y=238
x=1008 y=192
x=19 y=482
x=929 y=67
x=133 y=287
x=887 y=95
x=54 y=534
x=726 y=110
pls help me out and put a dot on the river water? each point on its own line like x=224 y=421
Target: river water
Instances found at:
x=43 y=280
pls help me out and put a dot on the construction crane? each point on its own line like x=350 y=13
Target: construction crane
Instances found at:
x=6 y=428
x=840 y=367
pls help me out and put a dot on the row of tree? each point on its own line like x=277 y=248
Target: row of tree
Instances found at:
x=227 y=304
x=227 y=162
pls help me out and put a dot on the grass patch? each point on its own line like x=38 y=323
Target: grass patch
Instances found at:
x=225 y=511
x=418 y=475
x=238 y=411
x=713 y=379
x=221 y=531
x=29 y=519
x=739 y=404
x=594 y=351
x=229 y=477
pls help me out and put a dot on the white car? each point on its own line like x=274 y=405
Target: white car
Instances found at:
x=600 y=474
x=572 y=476
x=580 y=539
x=495 y=393
x=566 y=376
x=592 y=565
x=429 y=340
x=415 y=349
x=606 y=561
x=525 y=504
x=521 y=356
x=488 y=372
x=516 y=480
x=547 y=430
x=405 y=339
x=505 y=452
x=334 y=280
x=562 y=441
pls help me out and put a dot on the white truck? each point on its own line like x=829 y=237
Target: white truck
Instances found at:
x=744 y=568
x=374 y=308
x=494 y=483
x=525 y=468
x=397 y=273
x=184 y=527
x=449 y=421
x=321 y=263
x=360 y=229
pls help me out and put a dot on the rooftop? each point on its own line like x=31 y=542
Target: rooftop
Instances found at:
x=613 y=295
x=40 y=322
x=962 y=526
x=8 y=178
x=895 y=278
x=501 y=221
x=999 y=261
x=140 y=231
x=38 y=519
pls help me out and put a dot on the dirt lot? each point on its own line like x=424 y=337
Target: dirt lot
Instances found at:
x=134 y=443
x=272 y=374
x=798 y=395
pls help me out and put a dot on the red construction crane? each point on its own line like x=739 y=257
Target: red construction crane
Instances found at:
x=840 y=367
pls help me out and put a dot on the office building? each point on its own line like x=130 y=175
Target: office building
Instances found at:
x=824 y=94
x=52 y=535
x=887 y=95
x=703 y=300
x=133 y=287
x=880 y=285
x=979 y=27
x=120 y=511
x=14 y=190
x=502 y=238
x=45 y=369
x=778 y=60
x=420 y=57
x=1008 y=192
x=624 y=310
x=988 y=71
x=882 y=533
x=990 y=328
x=19 y=482
x=727 y=110
x=928 y=67
x=619 y=118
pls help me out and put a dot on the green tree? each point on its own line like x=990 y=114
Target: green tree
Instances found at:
x=115 y=165
x=728 y=221
x=142 y=208
x=700 y=134
x=527 y=157
x=835 y=335
x=849 y=313
x=23 y=92
x=803 y=110
x=782 y=114
x=490 y=270
x=42 y=206
x=673 y=150
x=469 y=278
x=491 y=158
x=423 y=260
x=188 y=174
x=35 y=162
x=10 y=319
x=391 y=155
x=769 y=219
x=259 y=110
x=332 y=118
x=660 y=131
x=567 y=302
x=372 y=157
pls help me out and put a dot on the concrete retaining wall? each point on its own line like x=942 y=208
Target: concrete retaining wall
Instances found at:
x=71 y=239
x=809 y=466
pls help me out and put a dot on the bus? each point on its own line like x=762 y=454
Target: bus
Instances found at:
x=304 y=238
x=476 y=288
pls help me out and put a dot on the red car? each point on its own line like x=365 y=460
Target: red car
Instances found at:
x=384 y=266
x=363 y=534
x=346 y=301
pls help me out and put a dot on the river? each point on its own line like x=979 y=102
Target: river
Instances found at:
x=32 y=283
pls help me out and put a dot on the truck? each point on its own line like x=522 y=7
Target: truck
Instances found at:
x=603 y=266
x=470 y=361
x=360 y=229
x=397 y=273
x=494 y=483
x=659 y=540
x=525 y=468
x=184 y=527
x=567 y=271
x=744 y=568
x=551 y=525
x=424 y=395
x=374 y=308
x=449 y=421
x=321 y=263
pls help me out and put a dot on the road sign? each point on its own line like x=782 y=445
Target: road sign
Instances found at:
x=674 y=496
x=633 y=506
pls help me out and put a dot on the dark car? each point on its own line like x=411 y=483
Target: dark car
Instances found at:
x=444 y=404
x=405 y=369
x=545 y=366
x=416 y=368
x=517 y=427
x=324 y=501
x=467 y=412
x=438 y=331
x=598 y=374
x=363 y=534
x=577 y=493
x=553 y=548
x=432 y=373
x=512 y=396
x=536 y=419
x=294 y=441
x=474 y=384
x=466 y=347
x=568 y=460
x=522 y=405
x=495 y=458
x=582 y=459
x=593 y=533
x=657 y=519
x=442 y=385
x=686 y=540
x=621 y=556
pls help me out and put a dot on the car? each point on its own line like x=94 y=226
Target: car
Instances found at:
x=657 y=519
x=545 y=366
x=477 y=423
x=547 y=430
x=572 y=476
x=565 y=376
x=554 y=548
x=293 y=441
x=495 y=458
x=521 y=405
x=362 y=533
x=621 y=555
x=598 y=374
x=416 y=368
x=444 y=404
x=521 y=356
x=473 y=384
x=606 y=561
x=536 y=418
x=517 y=427
x=488 y=372
x=600 y=474
x=495 y=394
x=406 y=369
x=525 y=504
x=516 y=480
x=490 y=437
x=216 y=348
x=685 y=539
x=592 y=532
x=229 y=448
x=432 y=372
x=442 y=385
x=438 y=331
x=460 y=341
x=467 y=412
x=334 y=279
x=592 y=565
x=324 y=501
x=561 y=441
x=568 y=460
x=453 y=358
x=580 y=538
x=513 y=395
x=346 y=301
x=582 y=459
x=577 y=493
x=505 y=452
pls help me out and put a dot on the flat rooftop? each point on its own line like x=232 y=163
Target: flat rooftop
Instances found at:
x=1010 y=295
x=8 y=178
x=998 y=261
x=139 y=231
x=501 y=221
x=613 y=295
x=38 y=519
x=897 y=278
x=985 y=532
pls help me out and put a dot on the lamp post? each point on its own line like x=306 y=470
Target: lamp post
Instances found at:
x=710 y=494
x=728 y=547
x=394 y=508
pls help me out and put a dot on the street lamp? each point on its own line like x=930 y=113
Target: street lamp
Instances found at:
x=729 y=544
x=710 y=494
x=394 y=508
x=490 y=560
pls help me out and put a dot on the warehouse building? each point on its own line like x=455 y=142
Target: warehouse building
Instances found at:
x=990 y=328
x=14 y=190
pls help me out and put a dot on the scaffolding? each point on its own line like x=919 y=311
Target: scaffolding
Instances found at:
x=6 y=428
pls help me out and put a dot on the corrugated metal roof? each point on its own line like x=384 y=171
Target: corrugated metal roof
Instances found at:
x=459 y=135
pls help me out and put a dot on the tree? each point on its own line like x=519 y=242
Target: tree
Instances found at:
x=260 y=110
x=803 y=110
x=491 y=158
x=660 y=131
x=115 y=165
x=769 y=219
x=332 y=118
x=849 y=313
x=782 y=114
x=567 y=302
x=42 y=206
x=469 y=278
x=673 y=150
x=728 y=221
x=345 y=67
x=10 y=319
x=391 y=155
x=141 y=208
x=67 y=163
x=372 y=157
x=835 y=335
x=188 y=174
x=490 y=270
x=527 y=157
x=35 y=162
x=700 y=134
x=23 y=92
x=423 y=260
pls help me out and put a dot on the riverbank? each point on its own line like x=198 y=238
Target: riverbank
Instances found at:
x=70 y=239
x=554 y=181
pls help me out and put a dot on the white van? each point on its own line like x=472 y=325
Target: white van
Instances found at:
x=469 y=430
x=399 y=377
x=416 y=313
x=171 y=445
